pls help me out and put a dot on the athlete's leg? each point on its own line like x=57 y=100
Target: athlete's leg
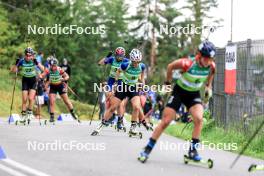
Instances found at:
x=114 y=103
x=24 y=100
x=52 y=99
x=31 y=98
x=167 y=117
x=136 y=106
x=197 y=114
x=24 y=105
x=67 y=101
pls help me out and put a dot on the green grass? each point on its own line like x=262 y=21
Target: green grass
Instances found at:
x=6 y=88
x=217 y=135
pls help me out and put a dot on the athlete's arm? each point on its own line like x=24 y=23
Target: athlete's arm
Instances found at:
x=141 y=78
x=106 y=60
x=211 y=76
x=65 y=76
x=142 y=75
x=40 y=66
x=102 y=62
x=44 y=74
x=15 y=67
x=182 y=64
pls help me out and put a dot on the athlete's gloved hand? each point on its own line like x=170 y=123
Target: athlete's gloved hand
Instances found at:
x=207 y=94
x=35 y=61
x=62 y=80
x=167 y=83
x=109 y=54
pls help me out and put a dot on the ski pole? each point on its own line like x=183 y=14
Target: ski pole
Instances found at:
x=94 y=108
x=185 y=126
x=70 y=89
x=38 y=105
x=249 y=141
x=12 y=101
x=104 y=73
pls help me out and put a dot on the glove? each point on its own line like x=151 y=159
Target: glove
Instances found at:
x=167 y=83
x=207 y=94
x=109 y=54
x=35 y=61
x=62 y=80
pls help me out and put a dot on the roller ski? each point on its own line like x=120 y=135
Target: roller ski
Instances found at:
x=50 y=121
x=143 y=157
x=111 y=121
x=147 y=125
x=25 y=119
x=133 y=133
x=193 y=157
x=120 y=125
x=254 y=167
x=75 y=117
x=99 y=128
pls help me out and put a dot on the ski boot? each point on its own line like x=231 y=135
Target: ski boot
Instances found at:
x=23 y=119
x=51 y=120
x=195 y=158
x=75 y=116
x=111 y=120
x=133 y=132
x=99 y=128
x=147 y=125
x=30 y=116
x=120 y=124
x=143 y=157
x=254 y=167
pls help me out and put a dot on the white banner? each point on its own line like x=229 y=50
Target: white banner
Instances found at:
x=231 y=57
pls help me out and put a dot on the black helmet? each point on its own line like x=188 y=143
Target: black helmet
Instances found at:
x=54 y=61
x=29 y=50
x=207 y=49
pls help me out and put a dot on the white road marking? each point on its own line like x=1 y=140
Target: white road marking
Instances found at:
x=11 y=171
x=24 y=167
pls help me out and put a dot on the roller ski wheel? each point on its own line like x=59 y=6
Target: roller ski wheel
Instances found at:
x=28 y=121
x=18 y=122
x=137 y=134
x=121 y=129
x=209 y=163
x=46 y=122
x=254 y=167
x=98 y=129
x=143 y=157
x=95 y=133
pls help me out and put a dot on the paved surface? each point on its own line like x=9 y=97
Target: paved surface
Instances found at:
x=111 y=153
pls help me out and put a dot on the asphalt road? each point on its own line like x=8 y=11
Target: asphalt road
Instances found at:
x=45 y=150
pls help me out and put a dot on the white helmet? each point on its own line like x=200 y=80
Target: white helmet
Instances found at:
x=135 y=55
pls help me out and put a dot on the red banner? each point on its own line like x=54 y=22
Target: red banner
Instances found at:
x=230 y=69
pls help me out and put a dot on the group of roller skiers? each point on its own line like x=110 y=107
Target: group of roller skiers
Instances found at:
x=128 y=73
x=197 y=72
x=33 y=73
